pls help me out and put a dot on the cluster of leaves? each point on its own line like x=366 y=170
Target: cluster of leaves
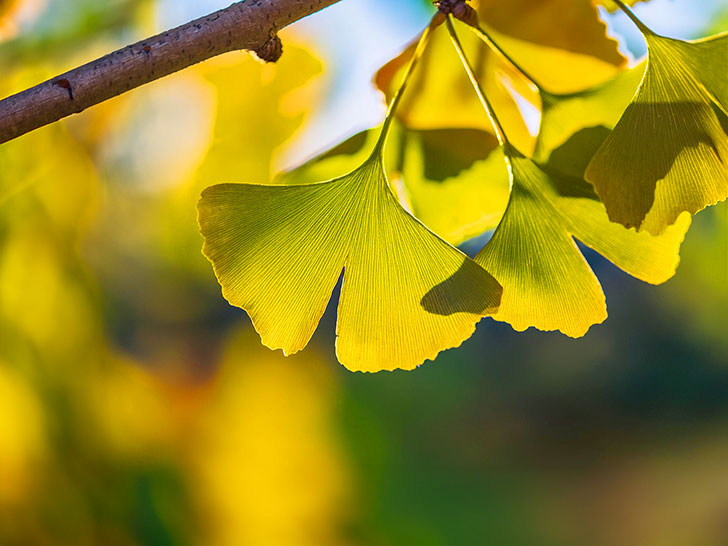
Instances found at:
x=619 y=165
x=136 y=409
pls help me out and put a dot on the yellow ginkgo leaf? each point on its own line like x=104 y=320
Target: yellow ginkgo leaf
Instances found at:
x=669 y=151
x=579 y=28
x=547 y=282
x=579 y=57
x=278 y=252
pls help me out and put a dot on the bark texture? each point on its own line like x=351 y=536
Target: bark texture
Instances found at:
x=250 y=24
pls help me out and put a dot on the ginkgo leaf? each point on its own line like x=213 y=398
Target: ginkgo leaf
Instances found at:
x=579 y=28
x=278 y=252
x=669 y=151
x=546 y=280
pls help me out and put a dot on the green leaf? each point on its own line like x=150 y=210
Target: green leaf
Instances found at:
x=278 y=251
x=547 y=282
x=669 y=151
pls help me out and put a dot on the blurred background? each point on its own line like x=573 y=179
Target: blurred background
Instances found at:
x=138 y=408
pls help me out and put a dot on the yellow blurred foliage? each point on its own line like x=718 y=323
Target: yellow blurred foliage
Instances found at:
x=269 y=469
x=22 y=438
x=253 y=450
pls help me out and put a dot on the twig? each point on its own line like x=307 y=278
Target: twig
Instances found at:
x=250 y=24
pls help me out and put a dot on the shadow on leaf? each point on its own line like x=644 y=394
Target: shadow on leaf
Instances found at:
x=573 y=156
x=674 y=142
x=471 y=289
x=449 y=152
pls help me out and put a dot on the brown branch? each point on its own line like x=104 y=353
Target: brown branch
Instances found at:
x=250 y=24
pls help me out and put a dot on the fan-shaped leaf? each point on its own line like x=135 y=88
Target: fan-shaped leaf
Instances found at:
x=278 y=252
x=669 y=151
x=547 y=282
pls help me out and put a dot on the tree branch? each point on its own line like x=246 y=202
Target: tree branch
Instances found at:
x=250 y=24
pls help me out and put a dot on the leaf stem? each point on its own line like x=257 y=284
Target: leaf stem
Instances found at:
x=629 y=13
x=499 y=132
x=394 y=104
x=485 y=37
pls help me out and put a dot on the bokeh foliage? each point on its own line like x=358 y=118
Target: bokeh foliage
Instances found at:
x=136 y=408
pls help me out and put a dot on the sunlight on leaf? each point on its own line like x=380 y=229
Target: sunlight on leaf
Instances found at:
x=278 y=252
x=669 y=151
x=547 y=282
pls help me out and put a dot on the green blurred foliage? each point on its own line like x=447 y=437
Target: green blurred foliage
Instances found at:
x=137 y=408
